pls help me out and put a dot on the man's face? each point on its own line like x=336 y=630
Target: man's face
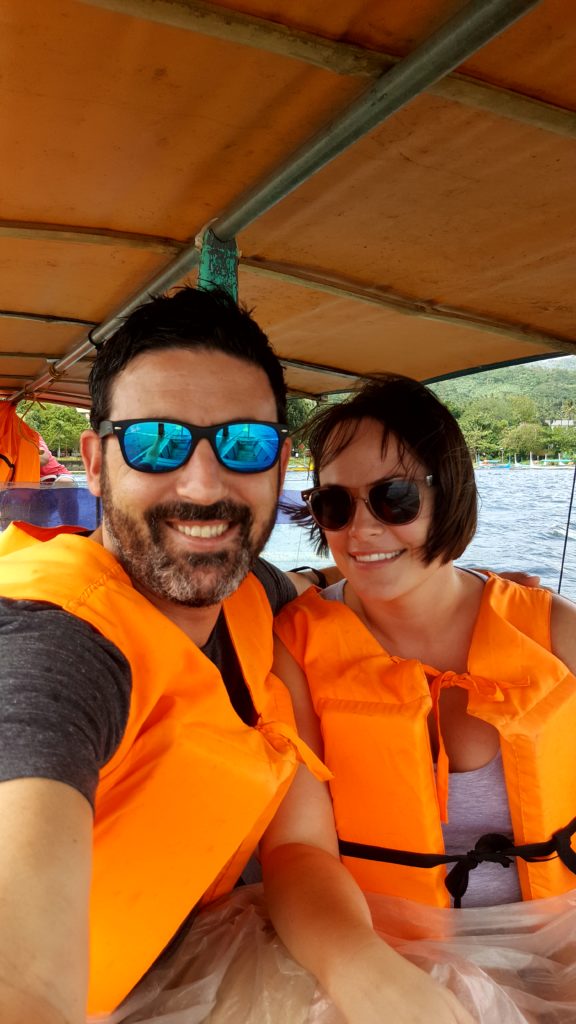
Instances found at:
x=188 y=536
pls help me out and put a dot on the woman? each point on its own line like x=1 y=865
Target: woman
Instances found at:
x=52 y=471
x=446 y=703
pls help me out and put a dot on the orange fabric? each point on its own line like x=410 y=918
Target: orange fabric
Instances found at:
x=187 y=795
x=374 y=712
x=19 y=454
x=20 y=534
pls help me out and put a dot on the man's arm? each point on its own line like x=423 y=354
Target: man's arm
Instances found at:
x=563 y=631
x=526 y=579
x=64 y=697
x=329 y=574
x=45 y=863
x=308 y=576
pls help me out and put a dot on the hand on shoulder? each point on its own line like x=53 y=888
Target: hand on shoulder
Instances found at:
x=305 y=577
x=526 y=579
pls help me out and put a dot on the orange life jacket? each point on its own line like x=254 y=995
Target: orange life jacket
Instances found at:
x=184 y=800
x=19 y=452
x=374 y=712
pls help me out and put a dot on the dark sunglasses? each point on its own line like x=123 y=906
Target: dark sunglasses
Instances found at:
x=396 y=502
x=160 y=446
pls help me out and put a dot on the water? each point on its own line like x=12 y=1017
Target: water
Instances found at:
x=522 y=524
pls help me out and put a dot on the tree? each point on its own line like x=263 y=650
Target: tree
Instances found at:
x=477 y=440
x=59 y=425
x=522 y=409
x=456 y=408
x=563 y=440
x=299 y=412
x=484 y=419
x=568 y=410
x=525 y=438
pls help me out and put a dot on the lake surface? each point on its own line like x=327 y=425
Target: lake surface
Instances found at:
x=522 y=525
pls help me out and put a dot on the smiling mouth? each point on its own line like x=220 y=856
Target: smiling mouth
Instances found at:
x=378 y=556
x=195 y=530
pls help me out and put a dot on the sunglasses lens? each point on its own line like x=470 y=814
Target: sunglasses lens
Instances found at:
x=155 y=446
x=332 y=507
x=395 y=501
x=247 y=447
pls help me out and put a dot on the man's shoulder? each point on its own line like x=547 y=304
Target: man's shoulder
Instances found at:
x=65 y=693
x=28 y=627
x=279 y=588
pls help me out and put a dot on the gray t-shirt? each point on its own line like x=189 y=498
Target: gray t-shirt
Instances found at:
x=65 y=689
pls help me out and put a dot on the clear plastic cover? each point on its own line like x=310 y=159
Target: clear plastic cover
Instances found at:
x=512 y=964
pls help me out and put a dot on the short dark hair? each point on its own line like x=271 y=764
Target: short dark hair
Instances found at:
x=190 y=318
x=423 y=428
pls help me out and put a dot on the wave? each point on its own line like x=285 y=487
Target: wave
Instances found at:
x=560 y=531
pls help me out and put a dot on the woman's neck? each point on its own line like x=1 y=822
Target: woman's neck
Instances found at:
x=434 y=622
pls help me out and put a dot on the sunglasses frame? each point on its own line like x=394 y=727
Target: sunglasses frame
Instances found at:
x=117 y=428
x=353 y=493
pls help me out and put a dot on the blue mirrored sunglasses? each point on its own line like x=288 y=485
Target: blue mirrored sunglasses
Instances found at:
x=160 y=446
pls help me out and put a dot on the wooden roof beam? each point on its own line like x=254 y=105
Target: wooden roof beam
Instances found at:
x=26 y=355
x=341 y=58
x=445 y=49
x=44 y=318
x=341 y=287
x=260 y=33
x=34 y=231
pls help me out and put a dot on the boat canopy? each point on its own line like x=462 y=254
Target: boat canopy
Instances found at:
x=398 y=179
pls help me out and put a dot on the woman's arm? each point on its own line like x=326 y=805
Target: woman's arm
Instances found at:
x=320 y=912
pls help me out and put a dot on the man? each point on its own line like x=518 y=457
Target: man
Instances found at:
x=136 y=665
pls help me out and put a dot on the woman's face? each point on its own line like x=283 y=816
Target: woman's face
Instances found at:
x=381 y=561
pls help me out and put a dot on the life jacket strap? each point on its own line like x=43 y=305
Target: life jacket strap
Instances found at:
x=493 y=848
x=11 y=466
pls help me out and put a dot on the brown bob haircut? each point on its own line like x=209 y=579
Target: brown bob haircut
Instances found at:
x=424 y=429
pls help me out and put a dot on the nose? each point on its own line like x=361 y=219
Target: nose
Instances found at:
x=202 y=479
x=363 y=521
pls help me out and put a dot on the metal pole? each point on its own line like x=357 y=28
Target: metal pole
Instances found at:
x=470 y=28
x=567 y=534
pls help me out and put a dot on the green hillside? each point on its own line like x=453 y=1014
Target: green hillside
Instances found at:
x=505 y=412
x=552 y=387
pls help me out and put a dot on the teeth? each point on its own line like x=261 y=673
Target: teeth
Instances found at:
x=378 y=556
x=202 y=531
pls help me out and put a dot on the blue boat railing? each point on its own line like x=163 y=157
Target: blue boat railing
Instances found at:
x=48 y=506
x=73 y=506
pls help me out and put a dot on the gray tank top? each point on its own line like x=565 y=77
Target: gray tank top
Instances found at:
x=477 y=804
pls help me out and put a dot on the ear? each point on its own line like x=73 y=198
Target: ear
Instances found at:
x=91 y=451
x=284 y=459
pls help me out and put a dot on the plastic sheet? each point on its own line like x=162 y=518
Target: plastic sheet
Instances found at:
x=513 y=964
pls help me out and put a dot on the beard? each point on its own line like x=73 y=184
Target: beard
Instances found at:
x=194 y=580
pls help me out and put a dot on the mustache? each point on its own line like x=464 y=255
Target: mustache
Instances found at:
x=188 y=512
